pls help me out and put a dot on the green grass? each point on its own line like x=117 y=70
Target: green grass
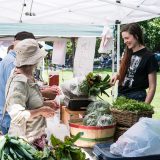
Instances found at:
x=68 y=74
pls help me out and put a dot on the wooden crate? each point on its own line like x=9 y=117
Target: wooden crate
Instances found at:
x=67 y=114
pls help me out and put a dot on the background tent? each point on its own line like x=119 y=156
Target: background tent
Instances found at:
x=72 y=14
x=72 y=18
x=96 y=12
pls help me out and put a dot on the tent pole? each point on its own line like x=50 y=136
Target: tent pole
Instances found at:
x=118 y=46
x=118 y=56
x=73 y=40
x=113 y=64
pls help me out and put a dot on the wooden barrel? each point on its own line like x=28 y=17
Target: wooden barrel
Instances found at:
x=91 y=134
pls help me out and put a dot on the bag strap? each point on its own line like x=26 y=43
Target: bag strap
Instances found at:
x=7 y=91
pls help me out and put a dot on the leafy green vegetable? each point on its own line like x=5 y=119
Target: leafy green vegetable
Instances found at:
x=15 y=148
x=98 y=114
x=123 y=103
x=66 y=150
x=93 y=85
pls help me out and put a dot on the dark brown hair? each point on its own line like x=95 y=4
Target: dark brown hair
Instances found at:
x=135 y=30
x=24 y=35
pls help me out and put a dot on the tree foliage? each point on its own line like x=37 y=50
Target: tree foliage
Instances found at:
x=151 y=30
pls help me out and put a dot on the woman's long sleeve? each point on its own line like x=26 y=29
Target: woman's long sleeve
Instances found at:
x=16 y=102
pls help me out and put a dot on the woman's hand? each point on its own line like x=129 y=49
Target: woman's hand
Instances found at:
x=113 y=80
x=44 y=111
x=47 y=111
x=51 y=103
x=50 y=92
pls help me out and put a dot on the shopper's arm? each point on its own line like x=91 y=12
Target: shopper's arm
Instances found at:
x=44 y=111
x=152 y=77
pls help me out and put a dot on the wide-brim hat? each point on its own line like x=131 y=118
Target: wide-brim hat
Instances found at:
x=28 y=53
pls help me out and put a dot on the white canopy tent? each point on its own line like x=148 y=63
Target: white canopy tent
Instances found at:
x=88 y=12
x=72 y=18
x=28 y=14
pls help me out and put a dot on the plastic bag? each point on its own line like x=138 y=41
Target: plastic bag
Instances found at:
x=71 y=87
x=142 y=139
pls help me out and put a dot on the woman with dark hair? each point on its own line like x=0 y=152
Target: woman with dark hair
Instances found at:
x=138 y=67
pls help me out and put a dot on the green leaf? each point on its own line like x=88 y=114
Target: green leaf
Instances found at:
x=76 y=137
x=106 y=78
x=55 y=141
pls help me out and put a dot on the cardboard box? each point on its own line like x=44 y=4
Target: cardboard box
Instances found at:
x=67 y=114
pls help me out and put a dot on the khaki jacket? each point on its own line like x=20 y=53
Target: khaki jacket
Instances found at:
x=22 y=94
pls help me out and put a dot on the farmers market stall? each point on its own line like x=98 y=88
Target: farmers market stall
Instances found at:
x=98 y=123
x=89 y=19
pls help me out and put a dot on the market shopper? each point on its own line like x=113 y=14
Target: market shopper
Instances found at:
x=24 y=102
x=6 y=65
x=138 y=67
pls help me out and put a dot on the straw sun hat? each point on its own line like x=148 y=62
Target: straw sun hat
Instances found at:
x=28 y=53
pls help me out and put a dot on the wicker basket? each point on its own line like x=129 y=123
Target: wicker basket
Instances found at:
x=119 y=131
x=128 y=118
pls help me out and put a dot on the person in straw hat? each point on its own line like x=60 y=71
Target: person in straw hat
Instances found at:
x=24 y=101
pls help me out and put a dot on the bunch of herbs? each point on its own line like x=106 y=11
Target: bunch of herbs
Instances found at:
x=66 y=150
x=93 y=85
x=123 y=103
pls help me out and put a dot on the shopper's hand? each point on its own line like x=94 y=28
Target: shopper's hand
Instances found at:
x=50 y=92
x=51 y=103
x=47 y=111
x=56 y=89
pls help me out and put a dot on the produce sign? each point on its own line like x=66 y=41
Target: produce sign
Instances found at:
x=93 y=85
x=123 y=103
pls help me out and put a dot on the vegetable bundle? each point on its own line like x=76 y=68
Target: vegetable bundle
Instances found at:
x=98 y=114
x=123 y=103
x=66 y=150
x=14 y=148
x=93 y=85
